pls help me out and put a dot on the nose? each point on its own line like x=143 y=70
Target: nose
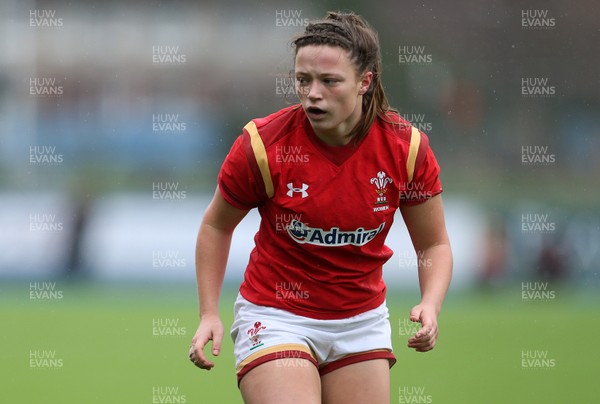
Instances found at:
x=314 y=91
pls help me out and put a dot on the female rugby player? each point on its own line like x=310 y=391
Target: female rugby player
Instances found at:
x=326 y=176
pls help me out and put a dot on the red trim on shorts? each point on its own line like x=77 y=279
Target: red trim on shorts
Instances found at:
x=361 y=357
x=292 y=354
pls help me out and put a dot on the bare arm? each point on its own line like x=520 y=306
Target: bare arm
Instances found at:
x=427 y=229
x=212 y=251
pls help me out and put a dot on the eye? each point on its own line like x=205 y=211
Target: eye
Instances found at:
x=301 y=81
x=330 y=81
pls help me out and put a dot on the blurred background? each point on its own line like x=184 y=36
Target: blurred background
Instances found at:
x=116 y=116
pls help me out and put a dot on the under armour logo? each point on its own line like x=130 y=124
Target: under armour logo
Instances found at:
x=291 y=191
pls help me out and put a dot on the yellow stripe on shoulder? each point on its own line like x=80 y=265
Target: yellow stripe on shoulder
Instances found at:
x=415 y=141
x=260 y=153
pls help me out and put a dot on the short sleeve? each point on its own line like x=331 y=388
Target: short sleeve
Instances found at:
x=237 y=178
x=426 y=181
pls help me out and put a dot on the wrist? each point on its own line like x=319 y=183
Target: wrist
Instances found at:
x=432 y=304
x=209 y=313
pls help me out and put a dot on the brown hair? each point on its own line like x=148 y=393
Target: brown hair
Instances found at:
x=353 y=34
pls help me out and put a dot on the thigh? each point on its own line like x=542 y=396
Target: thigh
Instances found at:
x=362 y=382
x=282 y=381
x=264 y=334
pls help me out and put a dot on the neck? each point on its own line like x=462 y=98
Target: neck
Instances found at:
x=333 y=139
x=338 y=136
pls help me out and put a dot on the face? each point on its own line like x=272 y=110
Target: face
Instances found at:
x=330 y=91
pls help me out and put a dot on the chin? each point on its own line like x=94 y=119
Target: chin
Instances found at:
x=322 y=126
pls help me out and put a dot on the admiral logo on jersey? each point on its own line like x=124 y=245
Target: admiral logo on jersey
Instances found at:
x=303 y=234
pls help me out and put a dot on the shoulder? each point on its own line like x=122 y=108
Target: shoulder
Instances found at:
x=273 y=127
x=393 y=127
x=400 y=131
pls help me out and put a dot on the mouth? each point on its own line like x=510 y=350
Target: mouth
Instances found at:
x=315 y=112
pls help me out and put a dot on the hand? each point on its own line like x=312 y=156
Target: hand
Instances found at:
x=424 y=340
x=210 y=329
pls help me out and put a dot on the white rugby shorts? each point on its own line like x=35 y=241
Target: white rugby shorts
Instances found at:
x=261 y=334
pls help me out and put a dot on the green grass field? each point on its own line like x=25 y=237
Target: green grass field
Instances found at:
x=97 y=344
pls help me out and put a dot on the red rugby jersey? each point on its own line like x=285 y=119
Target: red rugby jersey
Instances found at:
x=325 y=211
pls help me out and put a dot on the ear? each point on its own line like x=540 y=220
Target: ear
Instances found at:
x=365 y=82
